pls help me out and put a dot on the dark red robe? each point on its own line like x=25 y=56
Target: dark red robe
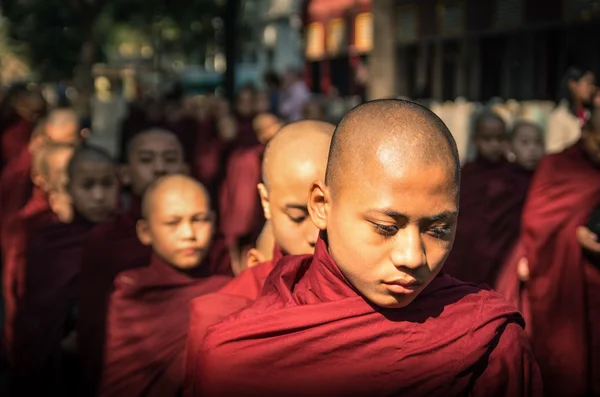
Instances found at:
x=49 y=259
x=148 y=323
x=111 y=248
x=212 y=308
x=240 y=213
x=311 y=334
x=16 y=188
x=15 y=139
x=246 y=135
x=492 y=197
x=563 y=286
x=208 y=156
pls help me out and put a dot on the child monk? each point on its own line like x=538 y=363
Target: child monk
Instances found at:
x=113 y=247
x=370 y=314
x=490 y=217
x=50 y=258
x=148 y=312
x=240 y=215
x=563 y=284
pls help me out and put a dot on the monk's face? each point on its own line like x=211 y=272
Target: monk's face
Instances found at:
x=154 y=156
x=94 y=190
x=266 y=126
x=389 y=229
x=490 y=140
x=64 y=128
x=57 y=166
x=591 y=145
x=180 y=227
x=528 y=147
x=286 y=206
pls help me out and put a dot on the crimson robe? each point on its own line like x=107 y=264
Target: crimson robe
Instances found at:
x=240 y=213
x=148 y=323
x=16 y=188
x=311 y=334
x=563 y=286
x=111 y=248
x=492 y=197
x=15 y=139
x=212 y=308
x=208 y=153
x=246 y=135
x=48 y=256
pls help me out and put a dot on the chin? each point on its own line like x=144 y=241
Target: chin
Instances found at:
x=387 y=301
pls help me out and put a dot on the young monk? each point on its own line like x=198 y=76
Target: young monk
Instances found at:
x=490 y=218
x=240 y=215
x=294 y=158
x=114 y=247
x=148 y=316
x=49 y=256
x=370 y=314
x=563 y=285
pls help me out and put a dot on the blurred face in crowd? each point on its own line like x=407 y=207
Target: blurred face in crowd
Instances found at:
x=151 y=156
x=491 y=139
x=244 y=104
x=584 y=88
x=261 y=103
x=527 y=146
x=94 y=189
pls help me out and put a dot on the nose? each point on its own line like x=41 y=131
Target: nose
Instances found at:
x=160 y=167
x=186 y=231
x=408 y=251
x=312 y=234
x=97 y=193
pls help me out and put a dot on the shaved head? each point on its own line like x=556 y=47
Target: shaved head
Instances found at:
x=151 y=134
x=50 y=163
x=172 y=185
x=394 y=132
x=62 y=125
x=299 y=147
x=90 y=154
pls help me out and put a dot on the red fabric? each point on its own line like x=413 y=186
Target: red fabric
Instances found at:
x=111 y=248
x=148 y=324
x=49 y=255
x=562 y=283
x=240 y=213
x=215 y=307
x=246 y=135
x=311 y=334
x=492 y=197
x=15 y=139
x=207 y=154
x=16 y=188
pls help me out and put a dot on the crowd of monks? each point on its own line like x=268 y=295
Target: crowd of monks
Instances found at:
x=230 y=254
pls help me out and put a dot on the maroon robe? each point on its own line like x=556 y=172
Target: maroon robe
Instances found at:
x=16 y=188
x=240 y=213
x=212 y=308
x=15 y=139
x=111 y=248
x=492 y=197
x=311 y=334
x=148 y=323
x=246 y=135
x=563 y=286
x=49 y=258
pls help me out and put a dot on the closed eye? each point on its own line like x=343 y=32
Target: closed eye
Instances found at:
x=440 y=232
x=385 y=230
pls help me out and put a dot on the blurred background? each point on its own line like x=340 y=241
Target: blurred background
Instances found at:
x=101 y=55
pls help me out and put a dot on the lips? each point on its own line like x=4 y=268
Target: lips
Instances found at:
x=403 y=286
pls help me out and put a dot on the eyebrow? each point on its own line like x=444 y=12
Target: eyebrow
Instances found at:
x=445 y=215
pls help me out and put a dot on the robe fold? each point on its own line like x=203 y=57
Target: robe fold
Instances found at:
x=240 y=213
x=16 y=188
x=310 y=334
x=111 y=247
x=148 y=323
x=563 y=286
x=212 y=308
x=15 y=139
x=492 y=197
x=49 y=259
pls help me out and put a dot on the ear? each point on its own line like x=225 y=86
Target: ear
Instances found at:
x=85 y=133
x=264 y=200
x=143 y=232
x=125 y=174
x=318 y=204
x=254 y=257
